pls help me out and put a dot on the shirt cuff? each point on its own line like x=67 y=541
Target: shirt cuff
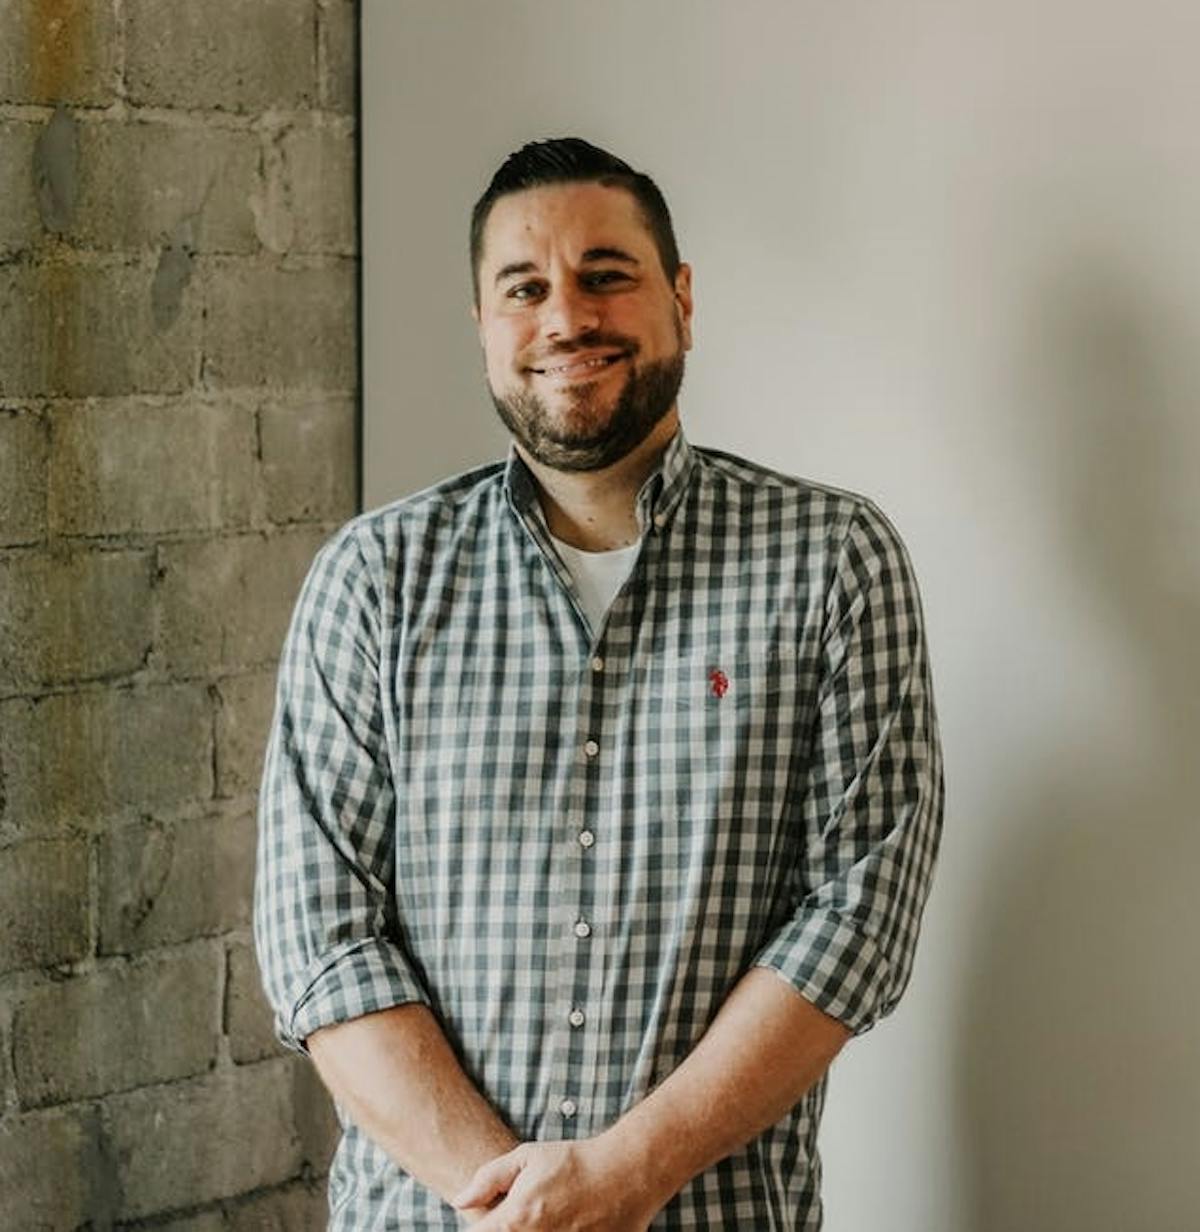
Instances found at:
x=358 y=978
x=833 y=964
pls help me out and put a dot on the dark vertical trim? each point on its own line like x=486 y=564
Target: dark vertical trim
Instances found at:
x=359 y=333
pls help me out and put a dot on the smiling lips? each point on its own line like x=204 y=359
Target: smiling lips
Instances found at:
x=581 y=367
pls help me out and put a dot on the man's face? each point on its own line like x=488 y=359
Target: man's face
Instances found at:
x=582 y=333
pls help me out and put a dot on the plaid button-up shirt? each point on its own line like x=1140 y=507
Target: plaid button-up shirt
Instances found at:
x=570 y=842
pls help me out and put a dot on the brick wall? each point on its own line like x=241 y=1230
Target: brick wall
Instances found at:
x=177 y=407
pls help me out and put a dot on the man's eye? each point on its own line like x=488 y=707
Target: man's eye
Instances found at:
x=525 y=291
x=601 y=277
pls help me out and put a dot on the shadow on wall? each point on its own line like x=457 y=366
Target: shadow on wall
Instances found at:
x=1080 y=1063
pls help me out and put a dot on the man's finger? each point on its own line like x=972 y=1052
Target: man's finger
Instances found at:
x=491 y=1181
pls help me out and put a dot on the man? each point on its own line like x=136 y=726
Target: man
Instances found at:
x=604 y=786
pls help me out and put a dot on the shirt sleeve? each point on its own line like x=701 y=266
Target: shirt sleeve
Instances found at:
x=873 y=791
x=325 y=928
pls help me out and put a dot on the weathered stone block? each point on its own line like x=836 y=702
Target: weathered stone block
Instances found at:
x=320 y=166
x=20 y=226
x=289 y=327
x=142 y=183
x=125 y=1025
x=293 y=1208
x=272 y=201
x=72 y=330
x=226 y=602
x=196 y=1141
x=180 y=56
x=166 y=883
x=56 y=171
x=339 y=21
x=24 y=446
x=73 y=615
x=64 y=52
x=117 y=468
x=309 y=458
x=248 y=1019
x=71 y=757
x=243 y=721
x=43 y=904
x=53 y=1173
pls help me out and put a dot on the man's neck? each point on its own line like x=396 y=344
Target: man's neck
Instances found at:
x=597 y=510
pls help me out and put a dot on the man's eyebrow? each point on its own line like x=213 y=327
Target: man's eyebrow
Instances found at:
x=610 y=254
x=514 y=267
x=592 y=254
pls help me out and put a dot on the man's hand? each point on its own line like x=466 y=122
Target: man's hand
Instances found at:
x=560 y=1187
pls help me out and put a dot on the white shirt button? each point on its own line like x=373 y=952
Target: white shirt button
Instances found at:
x=583 y=928
x=660 y=520
x=597 y=664
x=586 y=838
x=567 y=1108
x=591 y=748
x=575 y=1018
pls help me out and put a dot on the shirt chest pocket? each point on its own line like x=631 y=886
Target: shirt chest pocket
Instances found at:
x=719 y=733
x=715 y=687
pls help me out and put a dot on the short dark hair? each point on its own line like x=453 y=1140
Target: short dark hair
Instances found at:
x=571 y=160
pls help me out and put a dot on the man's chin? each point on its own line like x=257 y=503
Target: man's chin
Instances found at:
x=565 y=438
x=576 y=454
x=576 y=433
x=581 y=433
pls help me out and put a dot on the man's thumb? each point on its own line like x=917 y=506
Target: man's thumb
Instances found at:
x=491 y=1181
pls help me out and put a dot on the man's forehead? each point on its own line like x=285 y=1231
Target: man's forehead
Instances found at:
x=586 y=216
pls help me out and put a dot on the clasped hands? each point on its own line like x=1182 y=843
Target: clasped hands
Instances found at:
x=569 y=1186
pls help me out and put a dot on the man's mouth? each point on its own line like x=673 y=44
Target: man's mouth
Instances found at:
x=580 y=367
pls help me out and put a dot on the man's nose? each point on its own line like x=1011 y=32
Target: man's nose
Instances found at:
x=568 y=311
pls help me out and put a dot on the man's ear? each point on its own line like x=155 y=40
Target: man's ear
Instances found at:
x=683 y=302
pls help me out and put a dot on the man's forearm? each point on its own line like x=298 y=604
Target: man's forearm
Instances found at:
x=760 y=1054
x=397 y=1076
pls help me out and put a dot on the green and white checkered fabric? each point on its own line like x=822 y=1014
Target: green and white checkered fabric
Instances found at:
x=571 y=843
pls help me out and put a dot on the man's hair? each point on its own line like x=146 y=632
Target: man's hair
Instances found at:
x=571 y=160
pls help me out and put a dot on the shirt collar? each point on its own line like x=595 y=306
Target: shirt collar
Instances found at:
x=657 y=499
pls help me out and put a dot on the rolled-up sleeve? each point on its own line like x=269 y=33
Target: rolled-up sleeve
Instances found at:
x=872 y=793
x=328 y=941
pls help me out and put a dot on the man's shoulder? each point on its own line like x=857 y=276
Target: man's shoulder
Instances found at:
x=813 y=516
x=456 y=495
x=457 y=492
x=747 y=477
x=376 y=537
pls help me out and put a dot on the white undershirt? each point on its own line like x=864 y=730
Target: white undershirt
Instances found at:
x=598 y=575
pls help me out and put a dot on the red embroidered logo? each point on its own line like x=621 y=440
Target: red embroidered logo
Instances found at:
x=718 y=682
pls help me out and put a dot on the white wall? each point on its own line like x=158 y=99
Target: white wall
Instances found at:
x=947 y=254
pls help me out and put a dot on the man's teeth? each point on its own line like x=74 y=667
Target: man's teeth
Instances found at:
x=583 y=363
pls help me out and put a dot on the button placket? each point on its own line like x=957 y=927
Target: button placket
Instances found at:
x=591 y=716
x=573 y=975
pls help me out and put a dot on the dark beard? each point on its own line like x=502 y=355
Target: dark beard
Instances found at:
x=647 y=395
